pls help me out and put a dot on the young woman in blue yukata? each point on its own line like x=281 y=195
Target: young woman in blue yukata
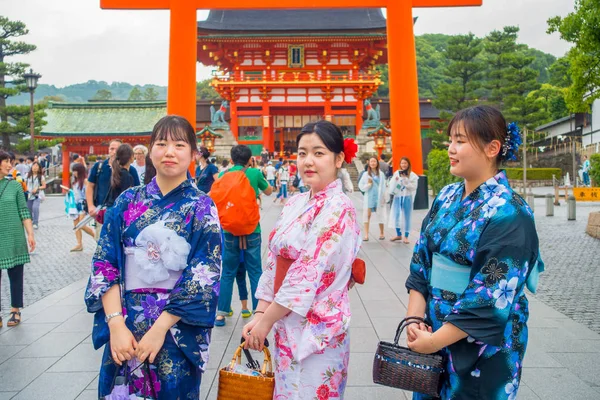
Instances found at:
x=477 y=248
x=155 y=275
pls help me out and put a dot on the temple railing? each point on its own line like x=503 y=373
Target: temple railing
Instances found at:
x=300 y=76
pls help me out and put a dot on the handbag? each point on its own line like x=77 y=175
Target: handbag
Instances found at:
x=237 y=386
x=120 y=384
x=399 y=367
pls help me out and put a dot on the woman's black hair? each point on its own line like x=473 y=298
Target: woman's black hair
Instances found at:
x=4 y=156
x=123 y=156
x=203 y=151
x=40 y=172
x=176 y=128
x=329 y=133
x=150 y=170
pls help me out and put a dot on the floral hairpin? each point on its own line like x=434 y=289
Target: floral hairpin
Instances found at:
x=510 y=147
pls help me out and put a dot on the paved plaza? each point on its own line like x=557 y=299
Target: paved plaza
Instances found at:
x=50 y=356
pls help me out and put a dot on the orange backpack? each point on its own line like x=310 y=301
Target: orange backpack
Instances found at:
x=236 y=203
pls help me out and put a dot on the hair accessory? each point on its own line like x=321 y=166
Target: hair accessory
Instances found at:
x=350 y=150
x=512 y=143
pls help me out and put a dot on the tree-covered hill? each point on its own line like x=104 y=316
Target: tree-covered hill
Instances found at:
x=82 y=92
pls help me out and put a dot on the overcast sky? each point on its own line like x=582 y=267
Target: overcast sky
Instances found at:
x=77 y=41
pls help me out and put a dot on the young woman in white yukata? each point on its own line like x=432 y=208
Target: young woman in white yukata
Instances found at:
x=303 y=292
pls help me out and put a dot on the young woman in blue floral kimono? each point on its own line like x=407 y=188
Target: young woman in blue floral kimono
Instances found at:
x=477 y=248
x=155 y=275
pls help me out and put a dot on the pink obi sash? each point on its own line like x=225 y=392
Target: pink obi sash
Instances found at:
x=283 y=264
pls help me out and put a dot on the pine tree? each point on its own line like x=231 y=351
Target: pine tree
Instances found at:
x=11 y=78
x=464 y=71
x=499 y=47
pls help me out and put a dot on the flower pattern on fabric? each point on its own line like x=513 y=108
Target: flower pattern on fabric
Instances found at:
x=492 y=231
x=322 y=236
x=179 y=231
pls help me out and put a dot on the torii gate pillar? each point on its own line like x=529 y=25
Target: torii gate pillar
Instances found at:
x=404 y=89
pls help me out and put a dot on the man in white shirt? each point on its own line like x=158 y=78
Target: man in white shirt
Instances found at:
x=139 y=153
x=270 y=170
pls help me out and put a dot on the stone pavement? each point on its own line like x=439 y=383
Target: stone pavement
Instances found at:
x=50 y=356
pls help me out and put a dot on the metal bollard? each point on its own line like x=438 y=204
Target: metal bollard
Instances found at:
x=571 y=210
x=531 y=200
x=549 y=205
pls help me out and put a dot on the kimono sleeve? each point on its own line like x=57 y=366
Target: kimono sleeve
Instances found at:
x=105 y=262
x=507 y=248
x=332 y=245
x=194 y=297
x=266 y=284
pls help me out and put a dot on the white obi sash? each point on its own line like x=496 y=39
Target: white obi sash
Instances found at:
x=158 y=259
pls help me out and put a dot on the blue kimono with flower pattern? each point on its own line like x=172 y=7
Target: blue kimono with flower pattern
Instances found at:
x=491 y=232
x=185 y=213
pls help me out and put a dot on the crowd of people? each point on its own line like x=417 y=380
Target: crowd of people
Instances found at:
x=170 y=246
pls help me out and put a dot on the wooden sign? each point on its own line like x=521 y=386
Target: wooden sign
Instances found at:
x=587 y=194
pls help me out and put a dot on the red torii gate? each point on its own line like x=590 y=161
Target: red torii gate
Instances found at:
x=404 y=90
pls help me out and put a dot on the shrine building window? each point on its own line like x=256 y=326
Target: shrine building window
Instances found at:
x=296 y=56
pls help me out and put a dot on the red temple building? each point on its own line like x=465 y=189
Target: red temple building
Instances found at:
x=278 y=70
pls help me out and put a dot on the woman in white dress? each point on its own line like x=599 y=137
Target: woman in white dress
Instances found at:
x=403 y=187
x=373 y=185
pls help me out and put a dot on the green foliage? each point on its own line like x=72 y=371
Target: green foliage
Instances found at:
x=384 y=89
x=534 y=174
x=430 y=63
x=560 y=75
x=22 y=146
x=103 y=95
x=464 y=72
x=206 y=92
x=595 y=169
x=135 y=94
x=552 y=102
x=582 y=28
x=499 y=48
x=11 y=76
x=438 y=171
x=150 y=94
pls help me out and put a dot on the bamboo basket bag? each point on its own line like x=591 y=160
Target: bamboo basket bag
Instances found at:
x=400 y=367
x=236 y=386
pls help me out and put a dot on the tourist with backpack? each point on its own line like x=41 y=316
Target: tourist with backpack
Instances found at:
x=235 y=194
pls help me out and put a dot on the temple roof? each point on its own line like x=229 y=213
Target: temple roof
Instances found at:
x=294 y=20
x=115 y=118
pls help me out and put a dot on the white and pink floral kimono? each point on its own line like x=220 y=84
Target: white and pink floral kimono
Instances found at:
x=312 y=344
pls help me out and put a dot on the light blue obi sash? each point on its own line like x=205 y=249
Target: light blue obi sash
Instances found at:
x=453 y=277
x=448 y=275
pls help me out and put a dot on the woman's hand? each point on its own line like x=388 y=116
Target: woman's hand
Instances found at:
x=248 y=327
x=256 y=338
x=411 y=330
x=122 y=343
x=423 y=343
x=150 y=344
x=31 y=243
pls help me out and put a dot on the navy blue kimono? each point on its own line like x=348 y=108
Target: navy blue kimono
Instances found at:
x=471 y=264
x=181 y=231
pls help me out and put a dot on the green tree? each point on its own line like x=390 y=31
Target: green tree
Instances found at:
x=135 y=94
x=559 y=73
x=499 y=48
x=552 y=100
x=464 y=72
x=103 y=95
x=204 y=91
x=582 y=28
x=384 y=89
x=13 y=71
x=430 y=66
x=521 y=79
x=150 y=94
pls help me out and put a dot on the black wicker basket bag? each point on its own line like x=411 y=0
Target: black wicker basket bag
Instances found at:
x=399 y=367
